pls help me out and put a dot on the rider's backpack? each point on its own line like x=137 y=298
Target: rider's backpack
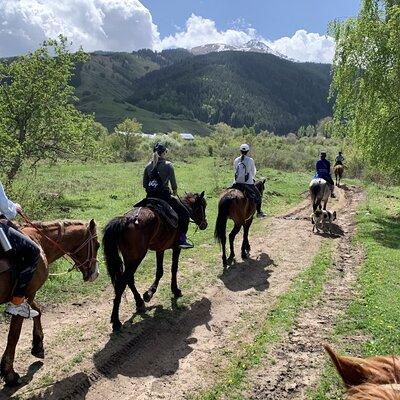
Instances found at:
x=155 y=186
x=241 y=174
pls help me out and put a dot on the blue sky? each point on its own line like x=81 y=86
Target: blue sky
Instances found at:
x=271 y=18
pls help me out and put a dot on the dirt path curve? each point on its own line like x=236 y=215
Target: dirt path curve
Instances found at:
x=175 y=351
x=298 y=360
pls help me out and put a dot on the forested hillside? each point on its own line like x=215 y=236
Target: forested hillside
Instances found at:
x=174 y=90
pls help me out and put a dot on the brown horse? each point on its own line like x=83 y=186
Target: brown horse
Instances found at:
x=233 y=204
x=133 y=235
x=338 y=170
x=77 y=239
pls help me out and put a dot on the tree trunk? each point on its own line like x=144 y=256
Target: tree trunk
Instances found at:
x=16 y=165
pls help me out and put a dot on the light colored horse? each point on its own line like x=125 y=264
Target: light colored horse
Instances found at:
x=339 y=169
x=320 y=192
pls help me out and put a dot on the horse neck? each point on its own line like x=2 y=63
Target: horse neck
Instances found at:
x=68 y=238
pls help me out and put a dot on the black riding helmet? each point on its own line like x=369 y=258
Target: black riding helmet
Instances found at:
x=159 y=148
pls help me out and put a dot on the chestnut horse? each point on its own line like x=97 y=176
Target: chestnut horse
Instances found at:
x=233 y=204
x=338 y=170
x=133 y=235
x=79 y=241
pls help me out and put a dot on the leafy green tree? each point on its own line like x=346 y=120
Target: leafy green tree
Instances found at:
x=366 y=81
x=37 y=117
x=127 y=139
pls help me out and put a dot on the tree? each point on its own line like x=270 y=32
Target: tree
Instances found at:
x=127 y=139
x=37 y=117
x=366 y=76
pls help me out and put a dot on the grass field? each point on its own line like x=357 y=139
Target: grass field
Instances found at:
x=102 y=191
x=375 y=313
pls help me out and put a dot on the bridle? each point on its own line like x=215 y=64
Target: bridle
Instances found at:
x=75 y=264
x=191 y=212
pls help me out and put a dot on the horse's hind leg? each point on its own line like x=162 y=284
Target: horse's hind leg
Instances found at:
x=7 y=362
x=174 y=272
x=37 y=342
x=246 y=243
x=119 y=288
x=147 y=296
x=232 y=236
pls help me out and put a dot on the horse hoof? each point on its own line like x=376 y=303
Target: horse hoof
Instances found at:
x=245 y=256
x=147 y=296
x=177 y=293
x=117 y=326
x=12 y=379
x=38 y=352
x=231 y=260
x=140 y=309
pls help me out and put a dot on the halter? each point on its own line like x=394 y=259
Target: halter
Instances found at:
x=65 y=254
x=190 y=211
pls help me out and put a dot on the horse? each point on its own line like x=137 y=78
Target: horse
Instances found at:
x=233 y=204
x=338 y=170
x=56 y=239
x=131 y=236
x=320 y=192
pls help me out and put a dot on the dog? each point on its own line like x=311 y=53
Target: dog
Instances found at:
x=322 y=220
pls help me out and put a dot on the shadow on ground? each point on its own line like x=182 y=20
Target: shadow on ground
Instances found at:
x=387 y=232
x=248 y=274
x=153 y=346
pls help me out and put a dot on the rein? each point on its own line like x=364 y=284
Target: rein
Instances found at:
x=69 y=257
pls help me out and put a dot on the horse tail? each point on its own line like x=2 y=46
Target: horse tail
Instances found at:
x=111 y=235
x=316 y=199
x=222 y=218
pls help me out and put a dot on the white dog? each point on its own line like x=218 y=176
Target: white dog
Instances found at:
x=322 y=219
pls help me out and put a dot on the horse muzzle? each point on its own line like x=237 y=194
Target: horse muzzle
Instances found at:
x=94 y=274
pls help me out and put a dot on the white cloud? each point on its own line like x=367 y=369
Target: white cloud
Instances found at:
x=305 y=46
x=126 y=25
x=117 y=25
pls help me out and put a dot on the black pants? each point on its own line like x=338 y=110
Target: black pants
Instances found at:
x=251 y=192
x=329 y=180
x=25 y=254
x=179 y=208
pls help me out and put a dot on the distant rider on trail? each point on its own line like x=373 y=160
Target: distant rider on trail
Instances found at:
x=24 y=254
x=158 y=176
x=245 y=173
x=323 y=171
x=339 y=159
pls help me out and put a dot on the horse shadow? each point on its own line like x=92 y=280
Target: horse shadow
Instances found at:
x=336 y=232
x=387 y=232
x=6 y=392
x=153 y=346
x=248 y=274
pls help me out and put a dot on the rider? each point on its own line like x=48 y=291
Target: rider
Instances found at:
x=158 y=175
x=323 y=168
x=339 y=159
x=245 y=172
x=24 y=252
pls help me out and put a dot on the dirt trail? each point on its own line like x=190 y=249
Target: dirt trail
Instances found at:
x=175 y=351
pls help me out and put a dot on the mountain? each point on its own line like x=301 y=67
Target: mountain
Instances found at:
x=254 y=46
x=238 y=88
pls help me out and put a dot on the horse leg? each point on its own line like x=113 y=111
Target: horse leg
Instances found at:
x=174 y=271
x=159 y=273
x=37 y=342
x=232 y=236
x=140 y=306
x=245 y=243
x=119 y=288
x=7 y=362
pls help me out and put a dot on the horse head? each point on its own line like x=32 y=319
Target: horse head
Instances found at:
x=260 y=185
x=197 y=204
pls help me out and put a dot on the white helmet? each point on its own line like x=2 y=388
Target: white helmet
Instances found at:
x=244 y=147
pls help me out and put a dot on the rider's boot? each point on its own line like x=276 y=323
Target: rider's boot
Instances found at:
x=19 y=306
x=183 y=242
x=260 y=213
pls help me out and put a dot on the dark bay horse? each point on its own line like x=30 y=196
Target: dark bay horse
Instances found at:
x=132 y=235
x=338 y=170
x=77 y=239
x=233 y=204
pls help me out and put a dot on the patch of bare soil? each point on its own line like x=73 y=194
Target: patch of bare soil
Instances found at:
x=298 y=360
x=172 y=352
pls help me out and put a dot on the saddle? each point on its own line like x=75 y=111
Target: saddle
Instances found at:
x=160 y=207
x=246 y=190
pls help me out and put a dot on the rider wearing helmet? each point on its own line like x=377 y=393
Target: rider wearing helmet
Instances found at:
x=245 y=173
x=339 y=159
x=323 y=171
x=158 y=180
x=25 y=255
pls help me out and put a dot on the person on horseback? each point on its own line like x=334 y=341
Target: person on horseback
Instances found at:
x=159 y=176
x=323 y=168
x=25 y=255
x=245 y=173
x=339 y=159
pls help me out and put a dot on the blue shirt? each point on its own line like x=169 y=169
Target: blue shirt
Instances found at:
x=323 y=168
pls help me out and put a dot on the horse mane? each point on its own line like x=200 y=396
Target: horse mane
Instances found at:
x=55 y=223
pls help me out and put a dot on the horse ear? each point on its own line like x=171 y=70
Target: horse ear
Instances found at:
x=264 y=180
x=202 y=194
x=92 y=225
